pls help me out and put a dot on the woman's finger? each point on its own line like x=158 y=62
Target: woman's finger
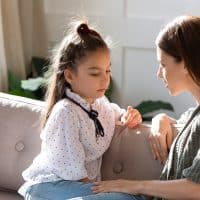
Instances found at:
x=153 y=148
x=159 y=146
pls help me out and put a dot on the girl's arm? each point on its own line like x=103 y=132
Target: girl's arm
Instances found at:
x=130 y=117
x=64 y=150
x=181 y=189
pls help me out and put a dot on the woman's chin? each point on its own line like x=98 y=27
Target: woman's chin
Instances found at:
x=173 y=93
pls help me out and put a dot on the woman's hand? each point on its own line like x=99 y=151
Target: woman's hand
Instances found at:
x=161 y=136
x=86 y=180
x=131 y=118
x=125 y=186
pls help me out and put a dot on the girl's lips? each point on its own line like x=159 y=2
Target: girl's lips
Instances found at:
x=101 y=90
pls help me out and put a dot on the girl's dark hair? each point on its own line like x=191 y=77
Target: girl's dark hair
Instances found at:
x=181 y=40
x=79 y=42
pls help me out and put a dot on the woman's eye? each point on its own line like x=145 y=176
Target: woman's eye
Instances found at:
x=163 y=65
x=108 y=71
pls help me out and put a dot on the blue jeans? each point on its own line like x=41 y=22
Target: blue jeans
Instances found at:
x=63 y=190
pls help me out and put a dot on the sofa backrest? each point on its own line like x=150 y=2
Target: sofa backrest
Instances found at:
x=19 y=137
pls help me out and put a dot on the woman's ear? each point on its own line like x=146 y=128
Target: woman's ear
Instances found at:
x=185 y=70
x=68 y=75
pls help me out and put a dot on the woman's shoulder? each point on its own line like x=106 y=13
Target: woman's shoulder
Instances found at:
x=185 y=116
x=196 y=122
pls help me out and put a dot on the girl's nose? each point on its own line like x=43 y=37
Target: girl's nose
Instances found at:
x=106 y=77
x=105 y=80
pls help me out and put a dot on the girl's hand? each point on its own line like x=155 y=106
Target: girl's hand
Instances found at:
x=125 y=186
x=131 y=118
x=161 y=137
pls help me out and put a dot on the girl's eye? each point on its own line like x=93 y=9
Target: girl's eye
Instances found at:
x=94 y=74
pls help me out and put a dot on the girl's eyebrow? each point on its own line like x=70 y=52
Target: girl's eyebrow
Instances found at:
x=94 y=68
x=97 y=68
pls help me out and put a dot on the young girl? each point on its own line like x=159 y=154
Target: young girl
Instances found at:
x=79 y=121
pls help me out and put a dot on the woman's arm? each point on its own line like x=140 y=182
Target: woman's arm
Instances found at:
x=86 y=180
x=161 y=136
x=181 y=189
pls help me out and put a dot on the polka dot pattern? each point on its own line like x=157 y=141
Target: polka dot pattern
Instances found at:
x=70 y=149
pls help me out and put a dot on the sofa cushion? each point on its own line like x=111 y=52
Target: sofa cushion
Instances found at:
x=10 y=196
x=129 y=155
x=19 y=137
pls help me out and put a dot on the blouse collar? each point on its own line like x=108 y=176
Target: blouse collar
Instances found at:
x=79 y=99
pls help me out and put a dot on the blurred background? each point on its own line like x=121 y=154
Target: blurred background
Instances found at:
x=31 y=28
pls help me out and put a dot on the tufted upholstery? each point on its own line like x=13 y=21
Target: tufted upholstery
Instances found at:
x=128 y=156
x=19 y=139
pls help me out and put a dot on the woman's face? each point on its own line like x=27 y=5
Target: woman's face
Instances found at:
x=174 y=74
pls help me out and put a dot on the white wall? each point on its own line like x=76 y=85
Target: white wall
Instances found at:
x=133 y=26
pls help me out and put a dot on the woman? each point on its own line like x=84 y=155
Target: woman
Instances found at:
x=178 y=52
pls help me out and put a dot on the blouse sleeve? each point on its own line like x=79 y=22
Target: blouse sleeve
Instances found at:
x=63 y=147
x=118 y=111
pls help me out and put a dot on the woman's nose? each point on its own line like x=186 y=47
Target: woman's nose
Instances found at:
x=159 y=72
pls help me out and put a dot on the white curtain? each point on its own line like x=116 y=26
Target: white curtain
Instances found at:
x=11 y=41
x=22 y=35
x=33 y=30
x=3 y=65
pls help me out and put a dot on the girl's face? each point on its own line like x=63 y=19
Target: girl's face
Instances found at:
x=174 y=74
x=92 y=77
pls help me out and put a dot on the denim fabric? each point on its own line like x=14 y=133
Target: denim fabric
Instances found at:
x=110 y=196
x=73 y=190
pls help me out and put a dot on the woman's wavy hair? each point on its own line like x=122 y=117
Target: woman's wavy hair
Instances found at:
x=181 y=40
x=78 y=43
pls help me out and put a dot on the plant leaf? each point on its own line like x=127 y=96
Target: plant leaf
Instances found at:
x=40 y=65
x=150 y=106
x=23 y=93
x=33 y=84
x=13 y=81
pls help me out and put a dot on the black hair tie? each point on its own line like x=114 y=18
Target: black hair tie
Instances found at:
x=93 y=114
x=83 y=29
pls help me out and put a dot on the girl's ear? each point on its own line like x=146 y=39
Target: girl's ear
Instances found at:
x=68 y=75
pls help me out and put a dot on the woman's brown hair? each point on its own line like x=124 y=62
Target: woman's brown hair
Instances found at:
x=181 y=40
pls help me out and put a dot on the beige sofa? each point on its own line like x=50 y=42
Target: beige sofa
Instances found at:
x=128 y=157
